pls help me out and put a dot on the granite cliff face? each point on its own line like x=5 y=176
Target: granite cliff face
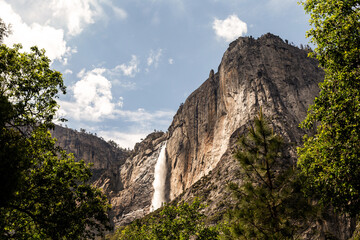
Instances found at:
x=253 y=73
x=137 y=176
x=265 y=73
x=104 y=156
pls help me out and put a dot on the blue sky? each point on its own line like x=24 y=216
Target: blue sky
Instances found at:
x=129 y=64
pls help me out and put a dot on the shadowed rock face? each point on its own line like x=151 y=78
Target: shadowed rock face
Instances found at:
x=253 y=73
x=105 y=157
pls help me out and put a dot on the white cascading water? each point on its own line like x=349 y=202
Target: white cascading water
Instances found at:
x=159 y=180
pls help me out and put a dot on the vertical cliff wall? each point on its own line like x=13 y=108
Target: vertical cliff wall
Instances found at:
x=92 y=149
x=265 y=73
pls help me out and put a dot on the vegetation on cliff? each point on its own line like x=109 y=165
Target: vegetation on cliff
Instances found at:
x=171 y=222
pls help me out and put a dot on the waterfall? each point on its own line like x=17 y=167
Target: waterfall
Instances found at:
x=159 y=180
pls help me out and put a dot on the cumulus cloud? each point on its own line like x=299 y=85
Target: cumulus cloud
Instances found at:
x=73 y=16
x=230 y=28
x=154 y=57
x=93 y=97
x=93 y=101
x=129 y=69
x=47 y=23
x=116 y=75
x=44 y=36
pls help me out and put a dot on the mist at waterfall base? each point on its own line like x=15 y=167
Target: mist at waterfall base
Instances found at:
x=159 y=180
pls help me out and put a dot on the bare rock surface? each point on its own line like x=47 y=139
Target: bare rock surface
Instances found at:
x=92 y=149
x=265 y=73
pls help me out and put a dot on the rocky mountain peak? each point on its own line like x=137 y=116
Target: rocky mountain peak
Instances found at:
x=265 y=72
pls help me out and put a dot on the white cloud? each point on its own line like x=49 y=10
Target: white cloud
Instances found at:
x=121 y=102
x=65 y=61
x=81 y=73
x=129 y=69
x=68 y=71
x=230 y=28
x=93 y=97
x=44 y=36
x=71 y=15
x=93 y=101
x=75 y=14
x=171 y=61
x=46 y=23
x=114 y=75
x=154 y=57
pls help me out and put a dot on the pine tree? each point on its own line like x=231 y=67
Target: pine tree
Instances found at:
x=270 y=204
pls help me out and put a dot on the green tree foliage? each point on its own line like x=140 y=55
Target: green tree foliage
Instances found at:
x=181 y=222
x=269 y=203
x=44 y=192
x=330 y=158
x=27 y=91
x=54 y=199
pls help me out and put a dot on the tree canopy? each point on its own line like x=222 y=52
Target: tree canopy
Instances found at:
x=330 y=158
x=28 y=88
x=172 y=222
x=45 y=194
